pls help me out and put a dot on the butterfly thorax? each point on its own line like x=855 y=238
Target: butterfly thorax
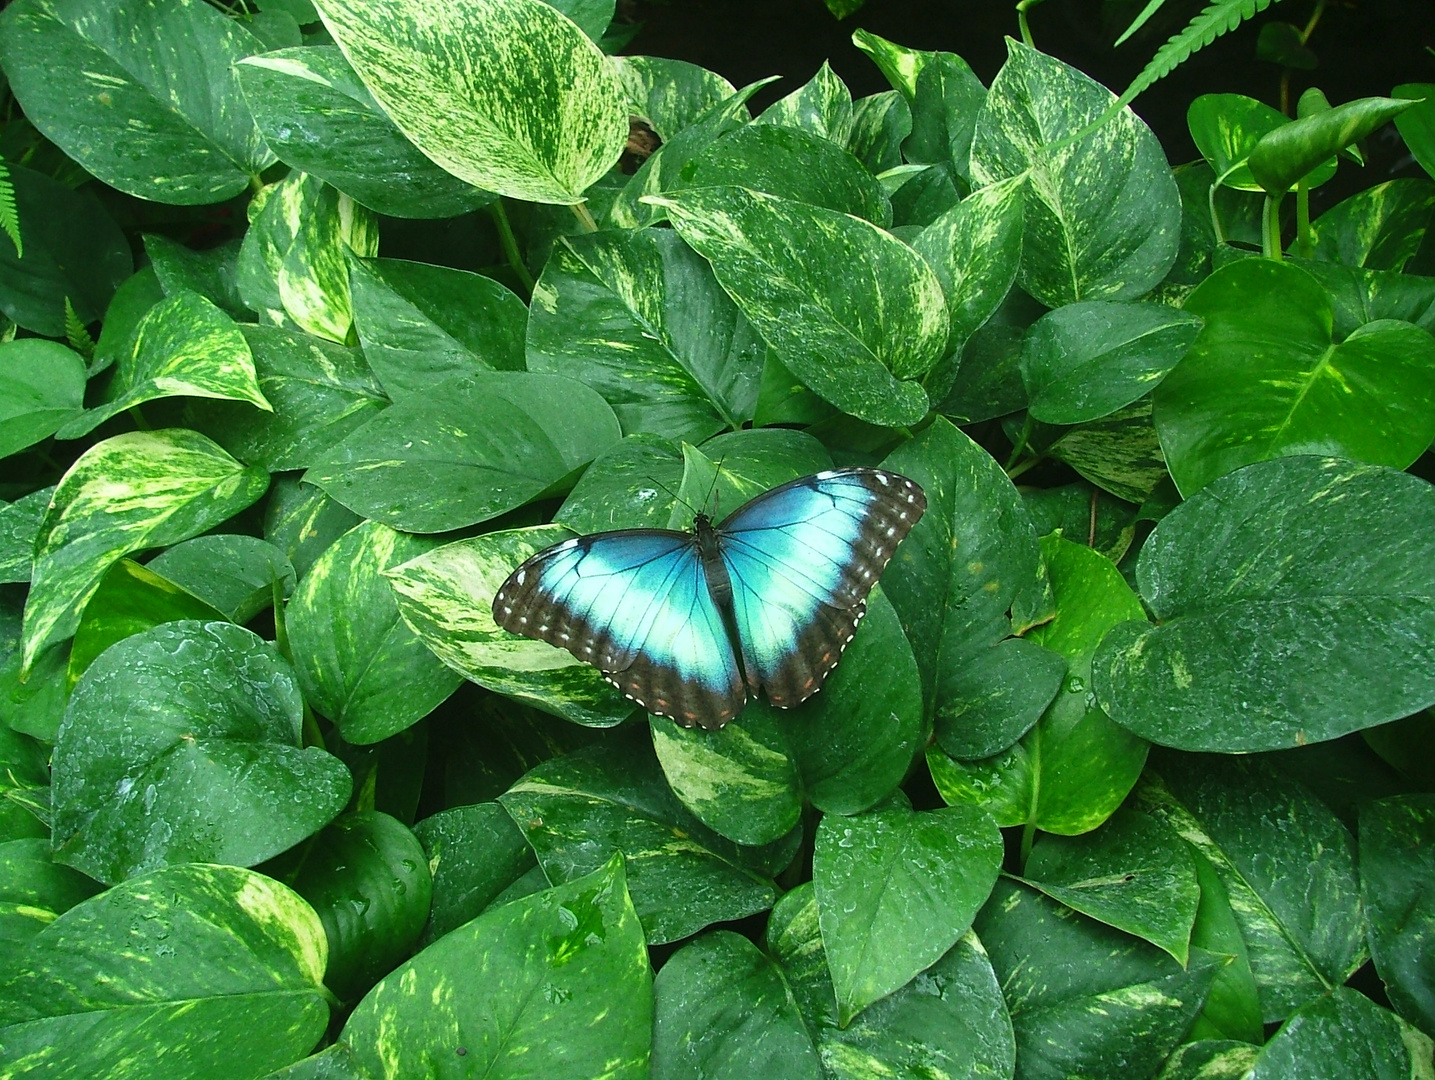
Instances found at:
x=709 y=548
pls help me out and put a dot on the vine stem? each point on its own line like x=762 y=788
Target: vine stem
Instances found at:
x=509 y=243
x=580 y=211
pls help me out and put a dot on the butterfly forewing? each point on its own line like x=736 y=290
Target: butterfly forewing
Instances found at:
x=636 y=605
x=802 y=559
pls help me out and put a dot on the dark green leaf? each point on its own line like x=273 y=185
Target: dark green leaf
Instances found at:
x=370 y=885
x=669 y=94
x=213 y=273
x=35 y=706
x=1086 y=360
x=1287 y=865
x=301 y=521
x=577 y=810
x=182 y=744
x=321 y=392
x=131 y=301
x=1103 y=216
x=945 y=104
x=895 y=889
x=110 y=89
x=1299 y=564
x=822 y=107
x=1233 y=1007
x=1397 y=884
x=515 y=100
x=1380 y=228
x=1085 y=1000
x=640 y=318
x=1119 y=453
x=879 y=124
x=358 y=663
x=1341 y=1037
x=851 y=311
x=33 y=884
x=1083 y=514
x=112 y=985
x=424 y=327
x=488 y=445
x=235 y=574
x=1417 y=124
x=567 y=960
x=73 y=251
x=42 y=388
x=722 y=1011
x=143 y=489
x=474 y=853
x=319 y=118
x=1133 y=873
x=1227 y=127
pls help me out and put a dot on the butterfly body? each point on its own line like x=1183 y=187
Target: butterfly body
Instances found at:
x=687 y=624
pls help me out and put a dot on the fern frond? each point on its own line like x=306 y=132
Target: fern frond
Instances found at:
x=1216 y=19
x=1140 y=20
x=75 y=331
x=9 y=215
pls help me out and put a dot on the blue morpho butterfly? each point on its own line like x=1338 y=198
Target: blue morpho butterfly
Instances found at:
x=784 y=578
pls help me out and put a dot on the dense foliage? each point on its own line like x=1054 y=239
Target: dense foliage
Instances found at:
x=1128 y=773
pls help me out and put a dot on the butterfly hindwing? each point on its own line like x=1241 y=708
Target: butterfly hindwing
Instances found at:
x=636 y=605
x=802 y=559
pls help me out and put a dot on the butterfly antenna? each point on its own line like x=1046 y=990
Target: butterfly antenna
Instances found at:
x=676 y=497
x=712 y=494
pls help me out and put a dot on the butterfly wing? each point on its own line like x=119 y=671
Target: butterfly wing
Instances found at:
x=802 y=559
x=635 y=604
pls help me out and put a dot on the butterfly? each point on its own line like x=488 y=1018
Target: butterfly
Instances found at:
x=688 y=623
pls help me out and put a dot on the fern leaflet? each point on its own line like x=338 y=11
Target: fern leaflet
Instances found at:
x=75 y=331
x=9 y=215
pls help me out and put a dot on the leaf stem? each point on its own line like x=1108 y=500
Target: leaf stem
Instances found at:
x=1021 y=441
x=138 y=418
x=1022 y=7
x=1271 y=227
x=509 y=243
x=585 y=218
x=1303 y=239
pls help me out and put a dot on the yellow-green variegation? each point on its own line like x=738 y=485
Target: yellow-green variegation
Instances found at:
x=508 y=95
x=140 y=490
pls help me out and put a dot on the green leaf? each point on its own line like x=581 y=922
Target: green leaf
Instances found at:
x=112 y=985
x=474 y=853
x=577 y=810
x=184 y=346
x=19 y=524
x=301 y=521
x=490 y=444
x=1293 y=150
x=182 y=744
x=320 y=119
x=1265 y=378
x=130 y=600
x=1396 y=876
x=945 y=104
x=34 y=889
x=669 y=94
x=235 y=574
x=1276 y=568
x=358 y=663
x=975 y=249
x=822 y=106
x=1417 y=123
x=1343 y=1035
x=953 y=579
x=369 y=883
x=294 y=261
x=1073 y=769
x=895 y=890
x=879 y=124
x=792 y=164
x=138 y=293
x=212 y=273
x=1081 y=512
x=321 y=392
x=850 y=310
x=42 y=388
x=35 y=706
x=507 y=95
x=422 y=326
x=1085 y=1000
x=1102 y=219
x=446 y=596
x=1233 y=1007
x=134 y=491
x=1086 y=360
x=74 y=252
x=568 y=960
x=844 y=750
x=1287 y=865
x=1380 y=228
x=1227 y=127
x=1119 y=453
x=336 y=1062
x=108 y=87
x=1133 y=873
x=640 y=318
x=722 y=1010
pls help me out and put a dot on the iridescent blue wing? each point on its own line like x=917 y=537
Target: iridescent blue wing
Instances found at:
x=802 y=559
x=635 y=604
